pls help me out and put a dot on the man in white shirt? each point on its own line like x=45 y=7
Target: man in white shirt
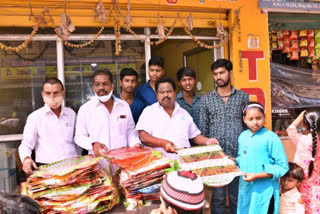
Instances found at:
x=49 y=130
x=105 y=122
x=166 y=125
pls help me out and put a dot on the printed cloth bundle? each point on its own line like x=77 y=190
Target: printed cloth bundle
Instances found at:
x=74 y=185
x=142 y=171
x=210 y=163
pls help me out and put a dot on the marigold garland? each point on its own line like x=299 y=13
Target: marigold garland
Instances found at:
x=26 y=42
x=67 y=43
x=203 y=45
x=161 y=40
x=117 y=25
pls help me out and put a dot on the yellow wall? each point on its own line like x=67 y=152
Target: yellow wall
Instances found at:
x=253 y=23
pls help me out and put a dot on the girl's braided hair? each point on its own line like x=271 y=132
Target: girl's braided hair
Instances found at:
x=312 y=120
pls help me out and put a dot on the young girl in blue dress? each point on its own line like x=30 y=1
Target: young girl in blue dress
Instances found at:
x=262 y=159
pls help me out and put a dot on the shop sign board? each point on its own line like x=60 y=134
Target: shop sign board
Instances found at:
x=283 y=113
x=49 y=69
x=289 y=4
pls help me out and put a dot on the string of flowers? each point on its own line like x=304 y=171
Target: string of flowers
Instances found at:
x=103 y=17
x=26 y=42
x=160 y=40
x=221 y=33
x=117 y=24
x=67 y=43
x=201 y=44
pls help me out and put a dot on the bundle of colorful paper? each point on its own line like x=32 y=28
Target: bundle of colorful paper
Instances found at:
x=74 y=185
x=142 y=171
x=210 y=163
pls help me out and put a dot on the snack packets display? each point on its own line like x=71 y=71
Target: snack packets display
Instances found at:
x=209 y=163
x=142 y=170
x=74 y=185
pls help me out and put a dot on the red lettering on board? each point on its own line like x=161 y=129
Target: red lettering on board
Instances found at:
x=258 y=92
x=172 y=1
x=252 y=57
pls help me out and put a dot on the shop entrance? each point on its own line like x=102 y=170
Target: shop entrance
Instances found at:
x=181 y=52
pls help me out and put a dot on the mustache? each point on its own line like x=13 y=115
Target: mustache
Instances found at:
x=103 y=91
x=166 y=98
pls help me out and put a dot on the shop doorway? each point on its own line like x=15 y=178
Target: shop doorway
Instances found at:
x=181 y=52
x=200 y=60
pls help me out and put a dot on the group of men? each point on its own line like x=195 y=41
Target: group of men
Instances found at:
x=153 y=115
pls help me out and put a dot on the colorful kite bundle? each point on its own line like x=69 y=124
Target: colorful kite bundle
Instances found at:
x=210 y=163
x=142 y=172
x=74 y=185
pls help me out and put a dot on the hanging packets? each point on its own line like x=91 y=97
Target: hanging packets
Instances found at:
x=304 y=52
x=294 y=55
x=286 y=44
x=303 y=42
x=317 y=37
x=310 y=34
x=303 y=33
x=294 y=35
x=294 y=45
x=317 y=50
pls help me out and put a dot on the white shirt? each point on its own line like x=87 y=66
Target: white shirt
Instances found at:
x=96 y=124
x=177 y=129
x=289 y=202
x=50 y=136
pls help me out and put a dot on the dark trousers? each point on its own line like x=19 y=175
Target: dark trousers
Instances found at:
x=271 y=206
x=218 y=202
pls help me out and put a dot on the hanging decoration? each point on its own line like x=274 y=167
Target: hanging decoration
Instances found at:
x=31 y=13
x=222 y=34
x=161 y=40
x=190 y=22
x=67 y=27
x=25 y=43
x=46 y=11
x=117 y=33
x=100 y=12
x=128 y=20
x=160 y=28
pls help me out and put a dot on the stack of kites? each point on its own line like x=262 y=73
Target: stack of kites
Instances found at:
x=142 y=170
x=74 y=185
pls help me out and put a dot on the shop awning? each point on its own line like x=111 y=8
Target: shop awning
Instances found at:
x=15 y=13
